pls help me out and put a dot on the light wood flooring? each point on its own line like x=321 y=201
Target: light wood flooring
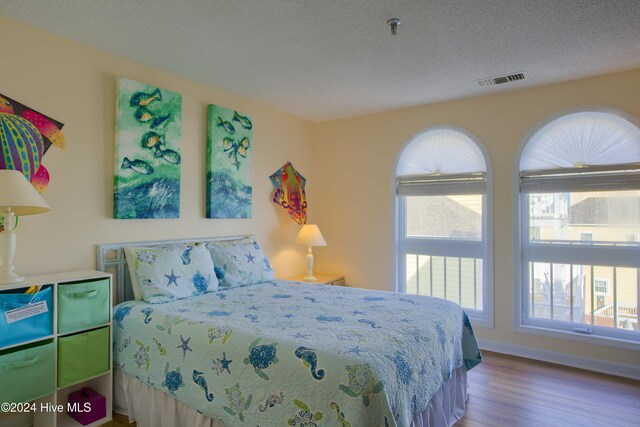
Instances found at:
x=512 y=391
x=507 y=391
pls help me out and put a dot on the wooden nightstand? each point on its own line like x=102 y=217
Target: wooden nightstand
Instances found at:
x=323 y=279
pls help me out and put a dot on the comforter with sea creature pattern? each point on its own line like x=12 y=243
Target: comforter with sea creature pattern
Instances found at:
x=285 y=353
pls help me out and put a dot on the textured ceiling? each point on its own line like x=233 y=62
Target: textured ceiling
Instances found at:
x=326 y=59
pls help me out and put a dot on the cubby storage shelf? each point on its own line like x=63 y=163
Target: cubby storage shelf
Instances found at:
x=89 y=300
x=20 y=344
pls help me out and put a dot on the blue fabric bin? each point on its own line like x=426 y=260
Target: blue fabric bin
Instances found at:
x=30 y=328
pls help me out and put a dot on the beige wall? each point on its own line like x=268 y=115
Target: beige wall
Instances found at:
x=76 y=85
x=349 y=171
x=355 y=162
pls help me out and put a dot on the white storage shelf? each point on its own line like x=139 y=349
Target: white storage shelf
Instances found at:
x=103 y=383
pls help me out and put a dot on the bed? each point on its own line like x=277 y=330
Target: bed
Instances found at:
x=287 y=353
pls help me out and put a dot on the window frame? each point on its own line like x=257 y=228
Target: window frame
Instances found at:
x=581 y=253
x=449 y=247
x=607 y=287
x=584 y=234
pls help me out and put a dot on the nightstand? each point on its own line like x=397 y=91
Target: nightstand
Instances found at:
x=323 y=279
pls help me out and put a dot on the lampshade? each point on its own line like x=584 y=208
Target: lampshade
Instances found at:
x=309 y=235
x=18 y=194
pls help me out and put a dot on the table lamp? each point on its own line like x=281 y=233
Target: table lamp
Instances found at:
x=310 y=236
x=17 y=197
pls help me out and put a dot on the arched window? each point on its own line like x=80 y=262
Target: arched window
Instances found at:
x=579 y=182
x=443 y=187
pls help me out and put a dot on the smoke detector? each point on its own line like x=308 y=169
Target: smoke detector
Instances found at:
x=498 y=80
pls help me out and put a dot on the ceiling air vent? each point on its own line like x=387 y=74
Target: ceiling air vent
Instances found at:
x=497 y=80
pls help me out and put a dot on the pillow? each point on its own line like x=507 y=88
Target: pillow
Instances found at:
x=166 y=273
x=137 y=295
x=241 y=264
x=238 y=241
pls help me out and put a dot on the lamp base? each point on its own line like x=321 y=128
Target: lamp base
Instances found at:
x=10 y=278
x=309 y=276
x=8 y=251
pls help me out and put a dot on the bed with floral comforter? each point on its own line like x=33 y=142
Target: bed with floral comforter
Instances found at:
x=285 y=353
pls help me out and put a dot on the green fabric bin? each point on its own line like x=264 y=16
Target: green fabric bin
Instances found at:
x=83 y=305
x=82 y=356
x=27 y=373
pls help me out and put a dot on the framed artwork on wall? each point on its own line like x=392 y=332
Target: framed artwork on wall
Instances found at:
x=147 y=157
x=229 y=139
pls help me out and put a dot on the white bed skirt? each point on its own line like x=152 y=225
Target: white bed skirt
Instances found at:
x=150 y=407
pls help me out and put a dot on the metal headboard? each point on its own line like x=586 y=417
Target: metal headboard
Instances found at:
x=111 y=259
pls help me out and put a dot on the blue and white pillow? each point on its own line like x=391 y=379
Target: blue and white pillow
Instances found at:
x=166 y=273
x=241 y=264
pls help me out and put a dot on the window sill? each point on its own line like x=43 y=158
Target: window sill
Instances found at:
x=576 y=336
x=480 y=321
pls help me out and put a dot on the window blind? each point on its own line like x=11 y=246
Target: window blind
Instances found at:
x=436 y=185
x=588 y=138
x=441 y=151
x=592 y=178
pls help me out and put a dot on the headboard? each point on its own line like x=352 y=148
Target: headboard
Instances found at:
x=111 y=259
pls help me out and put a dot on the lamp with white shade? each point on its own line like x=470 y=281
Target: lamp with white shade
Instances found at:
x=17 y=198
x=309 y=236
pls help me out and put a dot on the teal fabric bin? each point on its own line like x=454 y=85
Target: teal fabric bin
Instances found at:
x=28 y=372
x=29 y=328
x=82 y=356
x=83 y=305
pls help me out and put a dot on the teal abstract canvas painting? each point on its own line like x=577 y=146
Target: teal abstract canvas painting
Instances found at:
x=229 y=140
x=147 y=157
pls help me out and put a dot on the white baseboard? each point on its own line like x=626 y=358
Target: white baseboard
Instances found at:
x=619 y=369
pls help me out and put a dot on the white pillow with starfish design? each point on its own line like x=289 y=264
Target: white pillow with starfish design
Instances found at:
x=167 y=273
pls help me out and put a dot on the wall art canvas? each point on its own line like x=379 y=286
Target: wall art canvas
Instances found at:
x=147 y=158
x=229 y=140
x=49 y=129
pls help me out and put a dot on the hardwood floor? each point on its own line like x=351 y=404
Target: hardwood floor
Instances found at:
x=512 y=391
x=507 y=391
x=118 y=421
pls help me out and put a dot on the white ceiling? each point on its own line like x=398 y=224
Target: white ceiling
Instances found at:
x=326 y=59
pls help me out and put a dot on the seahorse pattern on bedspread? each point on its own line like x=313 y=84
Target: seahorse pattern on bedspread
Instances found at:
x=285 y=353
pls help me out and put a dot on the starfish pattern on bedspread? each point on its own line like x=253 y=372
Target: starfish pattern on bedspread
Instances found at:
x=297 y=344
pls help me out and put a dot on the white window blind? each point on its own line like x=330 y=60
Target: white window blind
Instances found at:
x=588 y=138
x=433 y=185
x=584 y=151
x=589 y=178
x=439 y=162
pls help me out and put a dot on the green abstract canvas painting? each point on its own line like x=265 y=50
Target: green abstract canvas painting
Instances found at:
x=229 y=139
x=147 y=158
